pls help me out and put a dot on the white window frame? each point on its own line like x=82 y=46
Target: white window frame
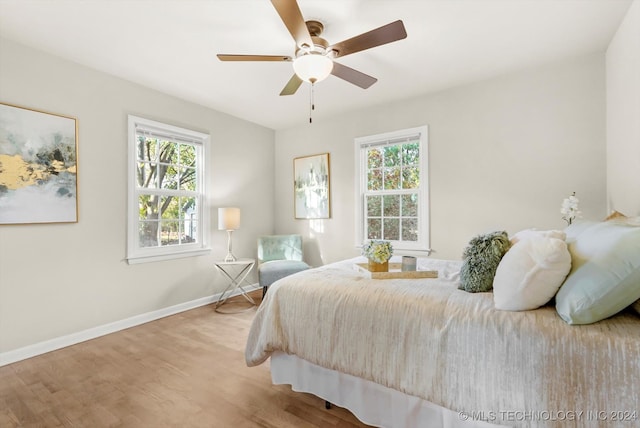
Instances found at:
x=421 y=246
x=136 y=253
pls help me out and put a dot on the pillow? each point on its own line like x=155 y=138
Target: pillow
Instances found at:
x=573 y=231
x=605 y=273
x=480 y=261
x=619 y=218
x=528 y=233
x=627 y=221
x=531 y=273
x=614 y=214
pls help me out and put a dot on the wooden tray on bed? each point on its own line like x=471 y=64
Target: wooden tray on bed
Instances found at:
x=395 y=272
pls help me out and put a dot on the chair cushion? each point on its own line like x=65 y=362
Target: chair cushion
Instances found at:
x=270 y=272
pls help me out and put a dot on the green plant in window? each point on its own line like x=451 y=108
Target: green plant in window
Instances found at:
x=374 y=179
x=374 y=228
x=409 y=229
x=391 y=178
x=374 y=206
x=374 y=158
x=391 y=229
x=391 y=205
x=410 y=153
x=410 y=205
x=410 y=177
x=392 y=156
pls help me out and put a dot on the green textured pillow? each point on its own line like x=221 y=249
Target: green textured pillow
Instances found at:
x=605 y=273
x=480 y=261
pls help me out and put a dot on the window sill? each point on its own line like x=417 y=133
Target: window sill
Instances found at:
x=167 y=256
x=417 y=253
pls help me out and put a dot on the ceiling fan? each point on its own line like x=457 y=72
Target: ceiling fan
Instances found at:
x=313 y=60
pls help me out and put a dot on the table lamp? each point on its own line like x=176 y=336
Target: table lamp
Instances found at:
x=229 y=220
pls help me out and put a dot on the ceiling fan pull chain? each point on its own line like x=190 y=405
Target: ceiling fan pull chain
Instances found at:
x=312 y=105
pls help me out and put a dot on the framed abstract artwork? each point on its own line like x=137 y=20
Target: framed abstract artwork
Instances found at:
x=311 y=187
x=38 y=166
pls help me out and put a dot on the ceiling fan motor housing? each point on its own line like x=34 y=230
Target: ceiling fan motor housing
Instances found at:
x=315 y=27
x=320 y=45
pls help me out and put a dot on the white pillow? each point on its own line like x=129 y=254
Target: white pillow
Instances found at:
x=605 y=271
x=528 y=233
x=530 y=273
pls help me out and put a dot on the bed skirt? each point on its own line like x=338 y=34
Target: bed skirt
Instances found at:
x=371 y=403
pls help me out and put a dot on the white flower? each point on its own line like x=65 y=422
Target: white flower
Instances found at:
x=569 y=209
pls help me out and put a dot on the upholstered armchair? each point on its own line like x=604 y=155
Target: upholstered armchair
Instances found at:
x=278 y=256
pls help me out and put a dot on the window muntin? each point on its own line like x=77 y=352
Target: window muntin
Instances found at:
x=167 y=191
x=393 y=189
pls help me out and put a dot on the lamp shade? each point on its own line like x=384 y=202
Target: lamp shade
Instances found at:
x=228 y=218
x=313 y=67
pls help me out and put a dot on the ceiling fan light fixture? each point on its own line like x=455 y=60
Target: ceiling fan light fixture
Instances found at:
x=312 y=67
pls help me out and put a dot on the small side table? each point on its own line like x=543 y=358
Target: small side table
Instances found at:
x=236 y=272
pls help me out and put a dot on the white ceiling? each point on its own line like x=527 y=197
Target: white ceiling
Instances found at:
x=170 y=45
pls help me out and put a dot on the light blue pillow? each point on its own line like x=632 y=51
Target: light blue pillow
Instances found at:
x=576 y=229
x=605 y=272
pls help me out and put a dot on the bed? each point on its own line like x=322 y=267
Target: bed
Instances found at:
x=422 y=353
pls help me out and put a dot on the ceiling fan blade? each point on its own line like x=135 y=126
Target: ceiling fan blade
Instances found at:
x=352 y=76
x=292 y=86
x=290 y=14
x=225 y=57
x=380 y=36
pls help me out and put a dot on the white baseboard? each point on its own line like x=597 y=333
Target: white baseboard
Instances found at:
x=81 y=336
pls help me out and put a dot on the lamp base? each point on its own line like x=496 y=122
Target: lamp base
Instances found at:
x=229 y=257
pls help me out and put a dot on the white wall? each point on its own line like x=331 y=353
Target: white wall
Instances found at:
x=504 y=153
x=623 y=115
x=60 y=279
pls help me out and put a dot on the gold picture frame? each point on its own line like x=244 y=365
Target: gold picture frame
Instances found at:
x=38 y=166
x=312 y=187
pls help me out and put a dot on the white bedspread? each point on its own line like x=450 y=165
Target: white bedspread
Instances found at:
x=426 y=338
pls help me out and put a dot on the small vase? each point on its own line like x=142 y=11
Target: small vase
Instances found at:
x=378 y=267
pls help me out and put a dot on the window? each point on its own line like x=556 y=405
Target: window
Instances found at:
x=167 y=217
x=392 y=189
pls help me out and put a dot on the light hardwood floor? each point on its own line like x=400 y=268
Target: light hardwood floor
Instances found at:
x=186 y=370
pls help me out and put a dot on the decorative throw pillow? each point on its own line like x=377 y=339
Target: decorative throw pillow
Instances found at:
x=614 y=214
x=576 y=229
x=627 y=221
x=530 y=273
x=605 y=273
x=480 y=261
x=528 y=233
